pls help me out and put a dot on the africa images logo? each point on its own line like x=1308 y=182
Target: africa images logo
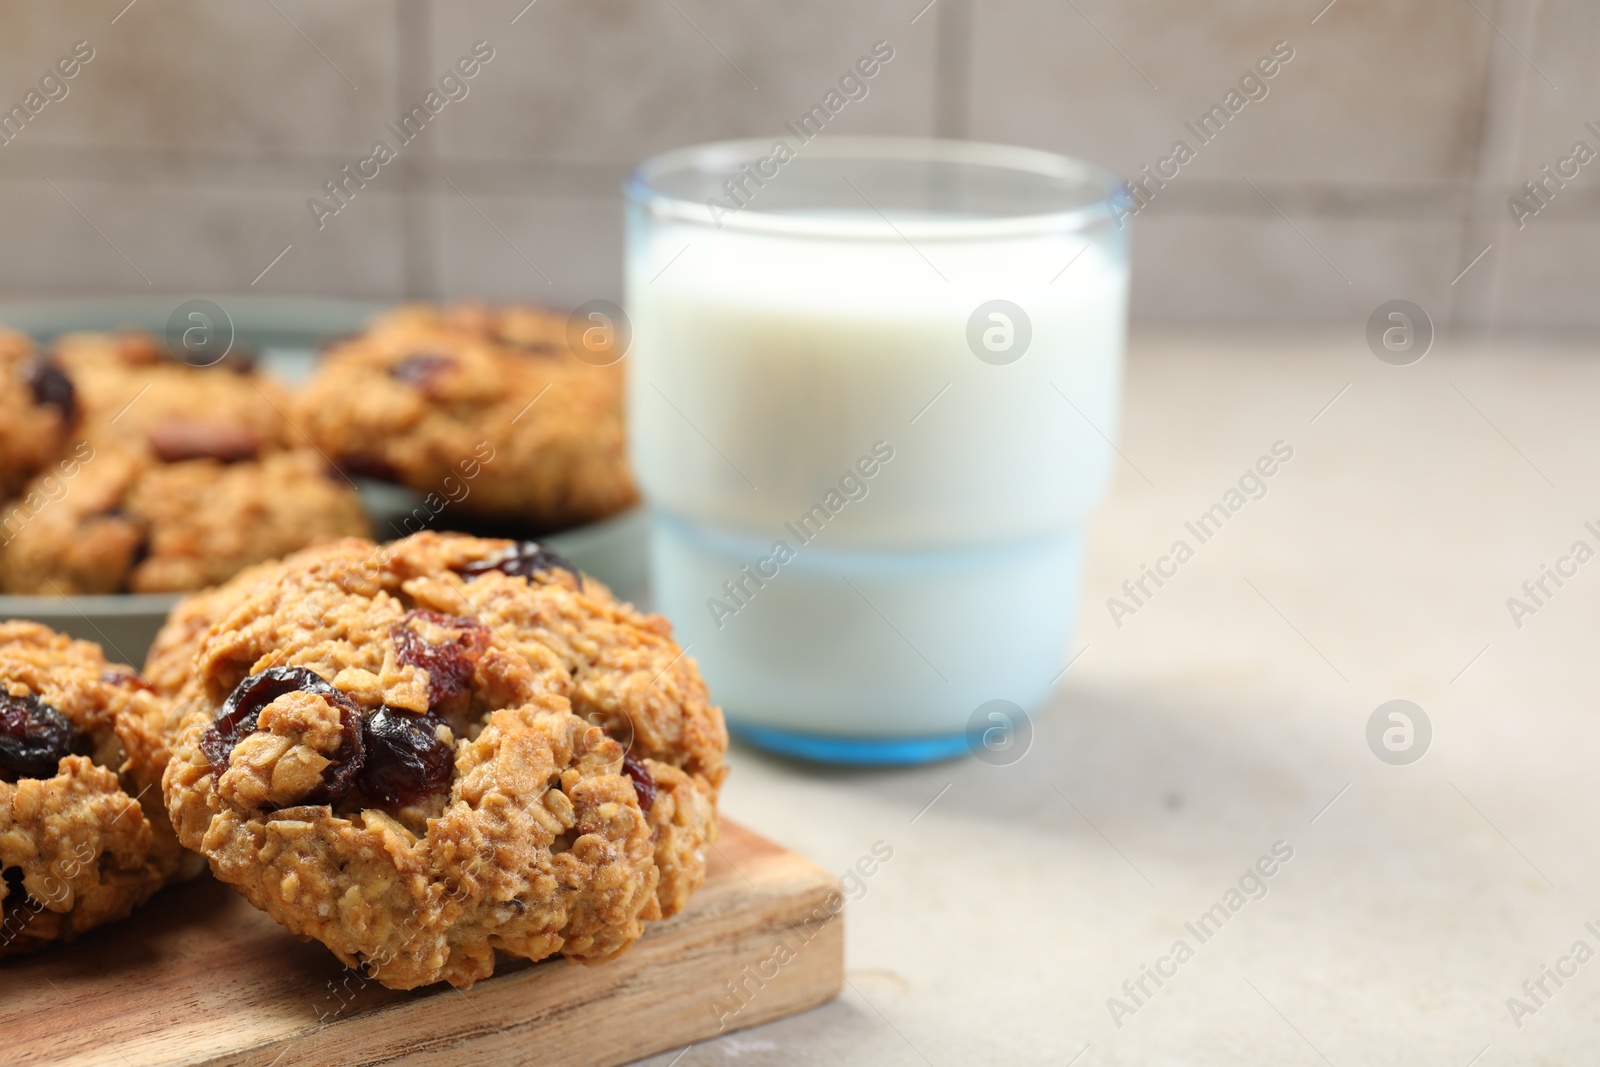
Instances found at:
x=1252 y=886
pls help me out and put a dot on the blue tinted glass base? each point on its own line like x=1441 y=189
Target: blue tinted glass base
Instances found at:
x=860 y=751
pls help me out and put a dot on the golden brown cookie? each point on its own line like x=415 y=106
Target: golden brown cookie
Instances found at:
x=123 y=521
x=183 y=475
x=399 y=781
x=132 y=390
x=38 y=410
x=84 y=838
x=487 y=408
x=619 y=669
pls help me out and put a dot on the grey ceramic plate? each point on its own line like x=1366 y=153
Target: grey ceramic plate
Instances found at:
x=286 y=333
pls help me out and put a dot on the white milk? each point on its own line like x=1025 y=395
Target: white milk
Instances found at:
x=768 y=370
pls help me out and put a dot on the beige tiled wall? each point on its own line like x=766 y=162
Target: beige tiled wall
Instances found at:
x=1377 y=166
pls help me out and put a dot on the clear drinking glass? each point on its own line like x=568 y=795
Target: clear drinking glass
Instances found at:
x=873 y=391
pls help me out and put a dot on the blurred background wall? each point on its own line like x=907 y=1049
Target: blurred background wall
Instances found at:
x=1378 y=165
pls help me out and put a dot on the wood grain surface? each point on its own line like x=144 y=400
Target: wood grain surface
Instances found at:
x=199 y=976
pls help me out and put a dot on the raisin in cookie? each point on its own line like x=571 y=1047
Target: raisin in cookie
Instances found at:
x=490 y=401
x=38 y=411
x=84 y=838
x=124 y=521
x=400 y=782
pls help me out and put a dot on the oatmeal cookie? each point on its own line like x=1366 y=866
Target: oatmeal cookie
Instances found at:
x=618 y=668
x=182 y=476
x=123 y=521
x=487 y=407
x=84 y=838
x=400 y=782
x=38 y=411
x=131 y=390
x=621 y=670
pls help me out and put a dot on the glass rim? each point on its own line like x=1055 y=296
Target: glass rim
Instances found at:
x=641 y=187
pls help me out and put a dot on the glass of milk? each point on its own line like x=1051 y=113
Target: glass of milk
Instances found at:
x=873 y=391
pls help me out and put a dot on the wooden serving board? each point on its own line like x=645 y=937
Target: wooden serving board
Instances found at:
x=198 y=976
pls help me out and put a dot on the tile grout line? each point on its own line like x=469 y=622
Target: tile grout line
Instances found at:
x=419 y=223
x=952 y=72
x=1506 y=86
x=540 y=176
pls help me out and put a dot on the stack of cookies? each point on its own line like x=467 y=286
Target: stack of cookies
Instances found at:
x=123 y=469
x=419 y=754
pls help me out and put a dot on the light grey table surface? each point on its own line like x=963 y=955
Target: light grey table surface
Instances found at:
x=1230 y=713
